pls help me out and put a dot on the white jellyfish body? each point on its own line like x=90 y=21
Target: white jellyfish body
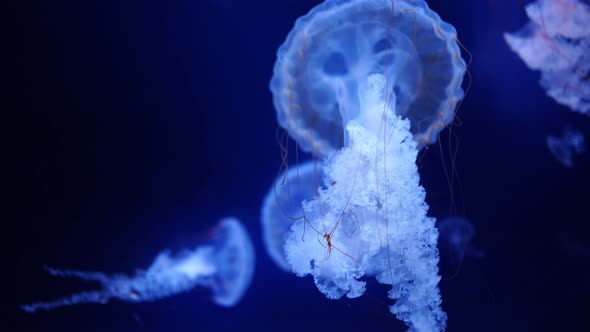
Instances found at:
x=225 y=265
x=375 y=227
x=563 y=148
x=557 y=42
x=363 y=85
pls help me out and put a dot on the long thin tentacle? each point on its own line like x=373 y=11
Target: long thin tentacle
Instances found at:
x=83 y=297
x=89 y=276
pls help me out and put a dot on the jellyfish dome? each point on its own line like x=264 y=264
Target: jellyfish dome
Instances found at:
x=225 y=265
x=327 y=57
x=282 y=206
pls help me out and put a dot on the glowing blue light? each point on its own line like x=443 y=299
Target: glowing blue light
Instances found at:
x=225 y=265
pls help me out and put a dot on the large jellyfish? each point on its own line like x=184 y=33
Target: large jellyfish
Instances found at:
x=362 y=85
x=557 y=42
x=225 y=265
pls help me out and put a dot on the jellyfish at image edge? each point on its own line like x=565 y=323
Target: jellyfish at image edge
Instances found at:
x=363 y=85
x=225 y=265
x=565 y=147
x=557 y=42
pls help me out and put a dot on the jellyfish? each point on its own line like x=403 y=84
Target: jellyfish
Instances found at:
x=362 y=86
x=225 y=265
x=565 y=147
x=282 y=205
x=315 y=78
x=455 y=238
x=556 y=41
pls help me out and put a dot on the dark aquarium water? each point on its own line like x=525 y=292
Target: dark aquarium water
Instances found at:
x=135 y=127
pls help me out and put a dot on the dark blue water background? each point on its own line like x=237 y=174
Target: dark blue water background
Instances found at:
x=139 y=124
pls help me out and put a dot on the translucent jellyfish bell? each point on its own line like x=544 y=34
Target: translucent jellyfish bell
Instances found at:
x=226 y=265
x=327 y=57
x=235 y=262
x=283 y=205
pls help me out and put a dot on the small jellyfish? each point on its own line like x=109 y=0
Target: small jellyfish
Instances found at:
x=455 y=241
x=331 y=51
x=565 y=147
x=283 y=205
x=225 y=265
x=557 y=42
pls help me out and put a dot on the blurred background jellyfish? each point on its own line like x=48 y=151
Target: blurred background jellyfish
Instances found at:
x=225 y=265
x=564 y=147
x=282 y=206
x=557 y=42
x=363 y=85
x=455 y=242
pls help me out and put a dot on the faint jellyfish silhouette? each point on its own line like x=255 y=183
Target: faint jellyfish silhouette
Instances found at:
x=363 y=85
x=225 y=265
x=455 y=242
x=283 y=205
x=565 y=147
x=557 y=42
